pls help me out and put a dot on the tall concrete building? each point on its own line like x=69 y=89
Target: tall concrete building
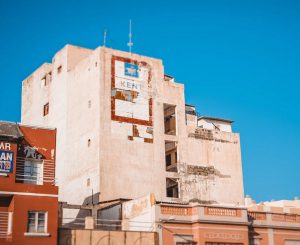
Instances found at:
x=124 y=130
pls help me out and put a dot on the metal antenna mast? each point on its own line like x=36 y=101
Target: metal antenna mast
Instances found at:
x=104 y=39
x=130 y=44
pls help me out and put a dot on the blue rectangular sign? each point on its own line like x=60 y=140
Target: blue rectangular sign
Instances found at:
x=131 y=70
x=6 y=161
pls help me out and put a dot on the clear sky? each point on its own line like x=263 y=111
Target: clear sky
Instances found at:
x=238 y=60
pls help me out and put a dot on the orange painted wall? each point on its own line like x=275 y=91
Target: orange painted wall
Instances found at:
x=44 y=141
x=23 y=204
x=279 y=235
x=207 y=233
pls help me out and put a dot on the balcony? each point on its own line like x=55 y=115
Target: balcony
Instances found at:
x=36 y=172
x=5 y=224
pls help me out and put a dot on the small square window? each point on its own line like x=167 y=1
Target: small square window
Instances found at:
x=47 y=79
x=37 y=222
x=46 y=109
x=59 y=69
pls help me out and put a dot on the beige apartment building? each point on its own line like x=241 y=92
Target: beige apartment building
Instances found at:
x=124 y=130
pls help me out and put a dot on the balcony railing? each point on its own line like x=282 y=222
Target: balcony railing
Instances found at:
x=5 y=224
x=273 y=217
x=35 y=172
x=257 y=216
x=106 y=224
x=222 y=211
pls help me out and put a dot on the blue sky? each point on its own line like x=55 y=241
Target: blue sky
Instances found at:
x=238 y=60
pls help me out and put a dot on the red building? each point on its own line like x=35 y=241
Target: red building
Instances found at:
x=28 y=195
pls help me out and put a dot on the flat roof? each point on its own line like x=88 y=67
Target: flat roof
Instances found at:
x=215 y=119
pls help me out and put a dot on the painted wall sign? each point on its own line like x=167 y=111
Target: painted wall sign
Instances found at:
x=6 y=161
x=131 y=101
x=130 y=85
x=131 y=70
x=225 y=236
x=136 y=207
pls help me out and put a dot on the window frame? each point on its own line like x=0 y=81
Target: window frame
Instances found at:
x=36 y=222
x=46 y=109
x=39 y=174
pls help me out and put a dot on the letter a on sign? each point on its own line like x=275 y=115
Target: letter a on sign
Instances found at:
x=6 y=161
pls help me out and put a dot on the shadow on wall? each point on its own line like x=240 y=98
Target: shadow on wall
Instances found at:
x=84 y=210
x=106 y=215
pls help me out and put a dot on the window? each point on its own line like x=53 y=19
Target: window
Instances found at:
x=33 y=172
x=172 y=188
x=168 y=160
x=37 y=222
x=171 y=156
x=170 y=119
x=59 y=69
x=46 y=109
x=47 y=79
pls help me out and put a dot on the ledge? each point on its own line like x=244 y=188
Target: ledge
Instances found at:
x=37 y=234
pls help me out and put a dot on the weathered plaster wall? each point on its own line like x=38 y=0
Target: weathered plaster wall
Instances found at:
x=105 y=148
x=219 y=155
x=130 y=167
x=69 y=94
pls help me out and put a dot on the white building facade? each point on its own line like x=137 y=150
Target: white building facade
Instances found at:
x=124 y=130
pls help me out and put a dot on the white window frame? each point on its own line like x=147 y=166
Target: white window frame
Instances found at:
x=40 y=173
x=36 y=232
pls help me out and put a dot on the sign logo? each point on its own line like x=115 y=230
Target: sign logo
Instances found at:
x=131 y=70
x=6 y=161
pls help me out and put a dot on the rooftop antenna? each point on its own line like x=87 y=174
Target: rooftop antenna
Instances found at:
x=104 y=39
x=130 y=44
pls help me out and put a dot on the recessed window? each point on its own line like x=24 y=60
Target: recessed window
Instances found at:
x=59 y=69
x=172 y=188
x=170 y=119
x=46 y=109
x=89 y=142
x=89 y=104
x=37 y=222
x=47 y=79
x=33 y=172
x=171 y=156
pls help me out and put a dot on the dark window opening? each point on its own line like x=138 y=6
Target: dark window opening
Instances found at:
x=171 y=156
x=46 y=109
x=172 y=188
x=170 y=119
x=168 y=160
x=59 y=69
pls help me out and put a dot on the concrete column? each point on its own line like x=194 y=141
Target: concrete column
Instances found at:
x=89 y=223
x=9 y=225
x=271 y=236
